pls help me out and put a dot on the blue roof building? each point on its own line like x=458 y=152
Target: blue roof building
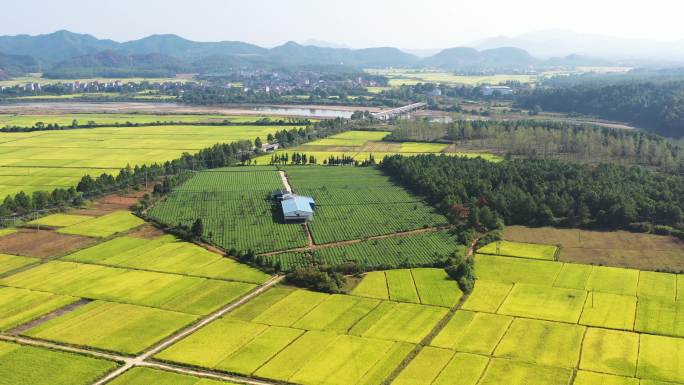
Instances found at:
x=297 y=208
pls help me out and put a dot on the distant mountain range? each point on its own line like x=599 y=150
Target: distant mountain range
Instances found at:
x=556 y=42
x=65 y=53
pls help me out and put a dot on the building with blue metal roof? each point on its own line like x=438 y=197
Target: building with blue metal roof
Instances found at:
x=297 y=208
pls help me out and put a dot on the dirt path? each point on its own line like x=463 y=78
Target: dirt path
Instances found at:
x=353 y=241
x=140 y=360
x=286 y=183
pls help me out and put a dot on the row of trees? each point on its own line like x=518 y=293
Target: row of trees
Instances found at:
x=75 y=124
x=544 y=192
x=549 y=139
x=218 y=155
x=656 y=106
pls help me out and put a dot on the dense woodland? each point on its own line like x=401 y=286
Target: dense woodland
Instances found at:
x=655 y=105
x=549 y=139
x=544 y=192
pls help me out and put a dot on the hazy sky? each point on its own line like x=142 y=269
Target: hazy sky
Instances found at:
x=357 y=23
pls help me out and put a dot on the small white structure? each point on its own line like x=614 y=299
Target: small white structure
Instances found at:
x=500 y=90
x=269 y=147
x=297 y=208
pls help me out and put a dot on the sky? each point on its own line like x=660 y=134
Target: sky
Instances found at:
x=417 y=24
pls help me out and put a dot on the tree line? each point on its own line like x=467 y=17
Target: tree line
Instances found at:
x=218 y=155
x=544 y=193
x=75 y=124
x=549 y=139
x=656 y=106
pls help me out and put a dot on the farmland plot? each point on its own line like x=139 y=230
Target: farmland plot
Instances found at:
x=353 y=202
x=147 y=376
x=105 y=225
x=166 y=254
x=26 y=365
x=13 y=262
x=173 y=292
x=45 y=160
x=519 y=249
x=423 y=249
x=421 y=285
x=18 y=306
x=111 y=326
x=236 y=208
x=473 y=332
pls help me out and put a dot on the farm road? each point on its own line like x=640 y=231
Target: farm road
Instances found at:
x=141 y=360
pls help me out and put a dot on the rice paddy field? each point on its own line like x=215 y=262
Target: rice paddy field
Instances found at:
x=360 y=145
x=166 y=254
x=400 y=77
x=26 y=365
x=45 y=160
x=423 y=285
x=305 y=337
x=12 y=120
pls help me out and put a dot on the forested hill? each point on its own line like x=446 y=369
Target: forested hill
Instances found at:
x=544 y=192
x=656 y=106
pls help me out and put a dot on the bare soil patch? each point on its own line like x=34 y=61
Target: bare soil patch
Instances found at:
x=608 y=248
x=111 y=202
x=146 y=232
x=41 y=320
x=42 y=243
